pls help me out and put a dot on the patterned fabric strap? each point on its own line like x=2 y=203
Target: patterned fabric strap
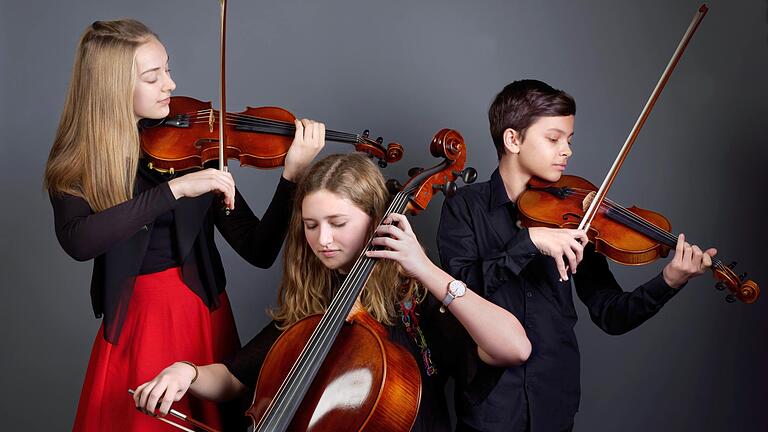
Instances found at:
x=410 y=319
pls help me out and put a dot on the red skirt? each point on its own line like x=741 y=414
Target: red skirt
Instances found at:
x=165 y=322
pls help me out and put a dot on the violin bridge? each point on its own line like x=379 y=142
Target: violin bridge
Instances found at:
x=588 y=200
x=211 y=121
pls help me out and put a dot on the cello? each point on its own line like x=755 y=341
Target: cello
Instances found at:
x=337 y=370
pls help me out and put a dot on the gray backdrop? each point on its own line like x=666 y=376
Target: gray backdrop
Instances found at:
x=406 y=69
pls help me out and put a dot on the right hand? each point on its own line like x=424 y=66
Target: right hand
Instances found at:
x=170 y=385
x=207 y=180
x=308 y=140
x=559 y=243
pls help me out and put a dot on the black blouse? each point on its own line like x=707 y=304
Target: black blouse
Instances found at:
x=119 y=239
x=433 y=409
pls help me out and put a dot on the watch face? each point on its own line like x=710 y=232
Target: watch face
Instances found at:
x=457 y=288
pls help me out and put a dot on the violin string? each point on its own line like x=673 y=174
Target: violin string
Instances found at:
x=244 y=119
x=324 y=330
x=330 y=135
x=637 y=219
x=287 y=128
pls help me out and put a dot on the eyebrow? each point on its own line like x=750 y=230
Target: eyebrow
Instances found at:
x=559 y=130
x=167 y=60
x=333 y=216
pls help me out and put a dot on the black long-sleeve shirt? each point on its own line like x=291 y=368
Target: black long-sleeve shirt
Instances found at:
x=118 y=240
x=480 y=243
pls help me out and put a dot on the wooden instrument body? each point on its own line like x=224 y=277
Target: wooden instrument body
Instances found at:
x=367 y=383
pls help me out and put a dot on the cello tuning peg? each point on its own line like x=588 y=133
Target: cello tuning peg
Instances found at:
x=720 y=286
x=379 y=140
x=393 y=186
x=730 y=298
x=382 y=163
x=366 y=133
x=413 y=172
x=743 y=276
x=469 y=175
x=449 y=188
x=732 y=265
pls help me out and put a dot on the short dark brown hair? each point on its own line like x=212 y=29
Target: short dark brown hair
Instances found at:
x=520 y=103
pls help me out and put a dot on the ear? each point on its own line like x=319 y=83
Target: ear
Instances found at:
x=512 y=141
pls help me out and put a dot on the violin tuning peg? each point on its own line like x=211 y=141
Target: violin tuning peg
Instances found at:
x=720 y=286
x=732 y=265
x=393 y=186
x=366 y=133
x=413 y=172
x=382 y=163
x=730 y=298
x=379 y=140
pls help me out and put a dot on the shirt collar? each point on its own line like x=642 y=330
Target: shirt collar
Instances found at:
x=499 y=195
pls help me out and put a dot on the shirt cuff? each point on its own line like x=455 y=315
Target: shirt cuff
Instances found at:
x=169 y=200
x=658 y=290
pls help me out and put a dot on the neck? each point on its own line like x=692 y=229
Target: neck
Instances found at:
x=514 y=177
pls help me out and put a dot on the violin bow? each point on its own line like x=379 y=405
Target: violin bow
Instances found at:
x=183 y=417
x=601 y=193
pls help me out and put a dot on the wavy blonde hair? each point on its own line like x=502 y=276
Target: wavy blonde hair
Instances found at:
x=308 y=285
x=96 y=150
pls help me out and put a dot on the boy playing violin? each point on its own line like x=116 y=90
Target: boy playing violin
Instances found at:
x=527 y=270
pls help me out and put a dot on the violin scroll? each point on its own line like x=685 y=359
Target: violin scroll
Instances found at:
x=747 y=291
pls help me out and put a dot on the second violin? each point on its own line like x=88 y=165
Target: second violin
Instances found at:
x=259 y=137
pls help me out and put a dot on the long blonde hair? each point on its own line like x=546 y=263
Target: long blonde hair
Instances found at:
x=96 y=150
x=308 y=285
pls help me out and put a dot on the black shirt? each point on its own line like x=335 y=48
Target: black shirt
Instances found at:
x=118 y=239
x=433 y=410
x=480 y=243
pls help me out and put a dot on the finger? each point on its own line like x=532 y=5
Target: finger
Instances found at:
x=390 y=230
x=321 y=135
x=578 y=249
x=382 y=254
x=137 y=394
x=679 y=248
x=154 y=397
x=145 y=395
x=561 y=267
x=402 y=222
x=687 y=253
x=387 y=242
x=581 y=237
x=299 y=129
x=571 y=256
x=168 y=399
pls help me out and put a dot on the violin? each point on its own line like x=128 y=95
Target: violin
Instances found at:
x=337 y=371
x=630 y=236
x=258 y=137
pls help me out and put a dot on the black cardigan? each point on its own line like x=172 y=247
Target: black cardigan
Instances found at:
x=117 y=240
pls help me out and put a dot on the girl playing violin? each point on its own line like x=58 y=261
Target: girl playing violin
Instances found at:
x=158 y=281
x=338 y=204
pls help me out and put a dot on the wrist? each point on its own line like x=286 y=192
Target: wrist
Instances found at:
x=189 y=364
x=175 y=188
x=672 y=282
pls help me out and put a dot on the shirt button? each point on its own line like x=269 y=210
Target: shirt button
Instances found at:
x=529 y=294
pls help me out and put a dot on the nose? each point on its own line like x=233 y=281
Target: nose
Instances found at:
x=566 y=150
x=170 y=85
x=326 y=237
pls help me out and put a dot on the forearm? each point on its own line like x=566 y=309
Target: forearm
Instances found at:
x=214 y=382
x=501 y=339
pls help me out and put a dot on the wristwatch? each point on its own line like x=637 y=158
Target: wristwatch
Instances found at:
x=456 y=289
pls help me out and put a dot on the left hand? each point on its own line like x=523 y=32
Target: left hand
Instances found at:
x=401 y=244
x=308 y=140
x=688 y=262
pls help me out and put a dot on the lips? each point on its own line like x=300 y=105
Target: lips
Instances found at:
x=165 y=101
x=330 y=253
x=560 y=167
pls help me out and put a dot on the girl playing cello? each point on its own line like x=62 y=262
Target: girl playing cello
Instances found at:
x=338 y=204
